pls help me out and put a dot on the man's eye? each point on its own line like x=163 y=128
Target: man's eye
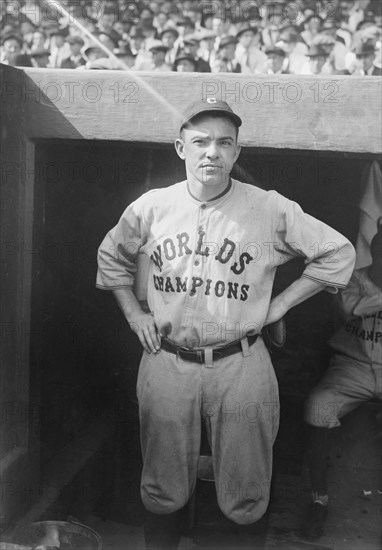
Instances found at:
x=199 y=141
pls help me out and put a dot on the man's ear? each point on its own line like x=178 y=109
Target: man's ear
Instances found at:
x=238 y=149
x=179 y=148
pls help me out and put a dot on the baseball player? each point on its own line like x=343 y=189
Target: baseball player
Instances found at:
x=354 y=376
x=214 y=244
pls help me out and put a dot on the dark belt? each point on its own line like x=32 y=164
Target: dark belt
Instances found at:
x=198 y=355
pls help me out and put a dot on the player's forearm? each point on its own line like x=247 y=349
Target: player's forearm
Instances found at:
x=128 y=303
x=295 y=294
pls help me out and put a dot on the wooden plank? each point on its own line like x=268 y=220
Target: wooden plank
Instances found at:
x=18 y=443
x=336 y=113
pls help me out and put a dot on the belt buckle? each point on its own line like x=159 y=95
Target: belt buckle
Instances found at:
x=181 y=349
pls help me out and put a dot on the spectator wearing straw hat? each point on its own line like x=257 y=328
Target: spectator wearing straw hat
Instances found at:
x=76 y=58
x=295 y=48
x=248 y=54
x=158 y=54
x=184 y=63
x=191 y=46
x=11 y=44
x=317 y=58
x=169 y=36
x=365 y=56
x=275 y=60
x=226 y=51
x=59 y=49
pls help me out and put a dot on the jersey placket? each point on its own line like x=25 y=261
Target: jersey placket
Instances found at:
x=197 y=267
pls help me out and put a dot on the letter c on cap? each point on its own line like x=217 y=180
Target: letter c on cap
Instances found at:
x=212 y=100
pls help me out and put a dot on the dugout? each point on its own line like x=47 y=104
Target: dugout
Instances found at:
x=78 y=146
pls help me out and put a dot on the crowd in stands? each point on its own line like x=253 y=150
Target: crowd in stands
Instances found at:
x=234 y=36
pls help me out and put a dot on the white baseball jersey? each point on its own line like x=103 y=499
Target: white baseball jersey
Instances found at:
x=361 y=336
x=212 y=264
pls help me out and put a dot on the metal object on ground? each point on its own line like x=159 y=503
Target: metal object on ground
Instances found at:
x=49 y=535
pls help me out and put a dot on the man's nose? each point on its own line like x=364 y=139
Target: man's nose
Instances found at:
x=212 y=151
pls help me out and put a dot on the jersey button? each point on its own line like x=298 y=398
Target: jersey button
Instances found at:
x=196 y=262
x=203 y=205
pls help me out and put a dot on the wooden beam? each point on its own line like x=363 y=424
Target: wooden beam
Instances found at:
x=333 y=113
x=18 y=437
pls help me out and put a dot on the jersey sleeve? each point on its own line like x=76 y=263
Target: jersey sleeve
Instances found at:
x=118 y=253
x=359 y=299
x=329 y=256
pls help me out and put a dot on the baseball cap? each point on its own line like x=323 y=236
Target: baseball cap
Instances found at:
x=210 y=105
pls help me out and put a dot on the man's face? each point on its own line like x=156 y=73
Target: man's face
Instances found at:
x=316 y=64
x=246 y=38
x=365 y=61
x=11 y=46
x=228 y=51
x=107 y=21
x=192 y=49
x=207 y=44
x=275 y=62
x=168 y=39
x=157 y=57
x=75 y=49
x=209 y=148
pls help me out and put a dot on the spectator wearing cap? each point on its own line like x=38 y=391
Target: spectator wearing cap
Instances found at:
x=365 y=56
x=138 y=47
x=207 y=40
x=248 y=54
x=59 y=49
x=312 y=27
x=317 y=58
x=168 y=37
x=296 y=50
x=158 y=54
x=40 y=57
x=90 y=53
x=184 y=63
x=332 y=27
x=342 y=41
x=328 y=43
x=125 y=54
x=275 y=60
x=226 y=52
x=11 y=44
x=75 y=59
x=191 y=46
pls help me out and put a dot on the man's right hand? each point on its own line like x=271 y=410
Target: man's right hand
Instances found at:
x=141 y=322
x=144 y=326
